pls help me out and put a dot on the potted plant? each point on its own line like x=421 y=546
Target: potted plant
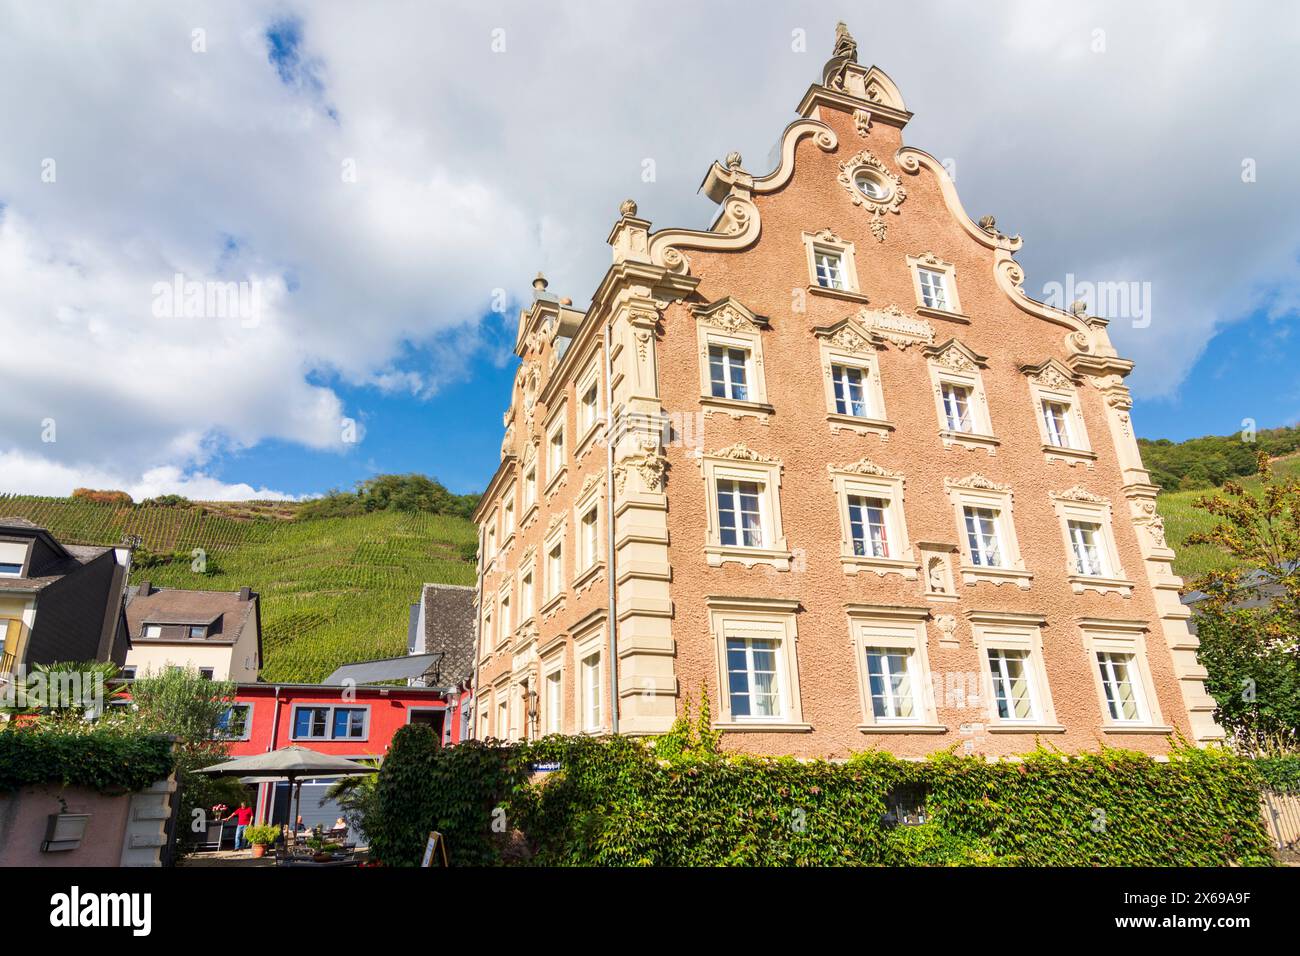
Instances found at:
x=261 y=836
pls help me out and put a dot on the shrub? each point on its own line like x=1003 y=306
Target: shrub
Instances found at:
x=619 y=802
x=102 y=497
x=105 y=759
x=264 y=833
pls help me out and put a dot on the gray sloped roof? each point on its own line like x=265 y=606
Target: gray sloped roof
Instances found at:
x=389 y=668
x=449 y=619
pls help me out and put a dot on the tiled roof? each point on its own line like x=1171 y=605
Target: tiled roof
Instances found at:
x=176 y=606
x=449 y=627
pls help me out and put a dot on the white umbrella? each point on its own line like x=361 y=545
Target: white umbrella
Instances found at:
x=289 y=763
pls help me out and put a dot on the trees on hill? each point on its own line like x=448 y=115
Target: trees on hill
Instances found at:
x=411 y=492
x=1209 y=461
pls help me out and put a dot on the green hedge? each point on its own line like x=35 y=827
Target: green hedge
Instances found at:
x=1280 y=773
x=613 y=803
x=101 y=759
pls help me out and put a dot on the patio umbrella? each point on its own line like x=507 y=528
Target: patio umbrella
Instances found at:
x=288 y=763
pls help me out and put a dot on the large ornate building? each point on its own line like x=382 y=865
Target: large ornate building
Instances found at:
x=859 y=485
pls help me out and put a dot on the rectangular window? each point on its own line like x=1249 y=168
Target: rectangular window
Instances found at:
x=1012 y=690
x=1089 y=552
x=206 y=672
x=530 y=487
x=587 y=408
x=956 y=408
x=868 y=519
x=740 y=520
x=311 y=723
x=526 y=596
x=349 y=723
x=727 y=372
x=488 y=635
x=234 y=723
x=588 y=538
x=982 y=536
x=934 y=293
x=555 y=453
x=850 y=391
x=490 y=544
x=752 y=680
x=889 y=676
x=505 y=615
x=503 y=719
x=508 y=516
x=1118 y=680
x=1056 y=419
x=830 y=268
x=153 y=630
x=10 y=570
x=554 y=703
x=555 y=570
x=591 y=692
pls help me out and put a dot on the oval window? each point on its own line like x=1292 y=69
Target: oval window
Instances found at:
x=871 y=185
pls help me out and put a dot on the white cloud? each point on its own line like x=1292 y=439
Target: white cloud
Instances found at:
x=474 y=169
x=36 y=475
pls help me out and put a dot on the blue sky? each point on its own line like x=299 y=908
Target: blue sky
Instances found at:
x=373 y=183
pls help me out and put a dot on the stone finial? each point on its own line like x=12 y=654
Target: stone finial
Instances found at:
x=1079 y=308
x=989 y=224
x=733 y=160
x=540 y=283
x=627 y=207
x=845 y=45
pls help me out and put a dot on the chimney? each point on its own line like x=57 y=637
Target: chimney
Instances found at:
x=144 y=590
x=245 y=593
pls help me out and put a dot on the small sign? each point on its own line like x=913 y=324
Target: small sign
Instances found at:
x=548 y=767
x=435 y=843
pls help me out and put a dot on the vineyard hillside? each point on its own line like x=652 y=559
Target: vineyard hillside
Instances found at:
x=333 y=590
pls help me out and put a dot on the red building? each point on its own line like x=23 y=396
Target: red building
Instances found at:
x=355 y=721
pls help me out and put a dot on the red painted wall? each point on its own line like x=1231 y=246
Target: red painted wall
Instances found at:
x=389 y=710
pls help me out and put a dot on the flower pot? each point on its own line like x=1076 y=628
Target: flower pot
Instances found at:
x=259 y=850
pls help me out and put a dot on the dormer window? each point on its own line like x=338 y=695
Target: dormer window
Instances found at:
x=196 y=631
x=153 y=631
x=13 y=555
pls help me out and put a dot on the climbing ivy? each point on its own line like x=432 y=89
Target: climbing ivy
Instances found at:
x=678 y=802
x=103 y=759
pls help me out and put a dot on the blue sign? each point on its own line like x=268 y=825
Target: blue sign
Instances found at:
x=546 y=767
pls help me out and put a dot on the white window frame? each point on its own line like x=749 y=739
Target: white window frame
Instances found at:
x=587 y=565
x=901 y=629
x=848 y=345
x=557 y=464
x=588 y=418
x=866 y=479
x=527 y=585
x=739 y=463
x=933 y=264
x=1013 y=631
x=728 y=324
x=488 y=634
x=827 y=243
x=1126 y=638
x=508 y=524
x=976 y=491
x=954 y=364
x=552 y=685
x=505 y=625
x=758 y=618
x=585 y=646
x=554 y=585
x=1052 y=382
x=530 y=492
x=1077 y=505
x=329 y=721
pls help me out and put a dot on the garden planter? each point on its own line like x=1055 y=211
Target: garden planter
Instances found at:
x=259 y=850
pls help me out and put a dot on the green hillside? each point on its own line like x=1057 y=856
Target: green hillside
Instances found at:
x=333 y=590
x=1182 y=518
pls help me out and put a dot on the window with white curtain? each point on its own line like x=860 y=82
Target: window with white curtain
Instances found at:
x=1013 y=694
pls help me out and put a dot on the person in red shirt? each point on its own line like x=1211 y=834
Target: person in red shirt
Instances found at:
x=243 y=816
